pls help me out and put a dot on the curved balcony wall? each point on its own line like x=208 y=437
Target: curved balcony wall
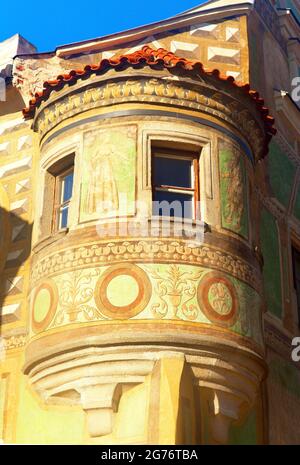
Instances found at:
x=112 y=293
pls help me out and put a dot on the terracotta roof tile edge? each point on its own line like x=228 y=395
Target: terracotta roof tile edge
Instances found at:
x=153 y=58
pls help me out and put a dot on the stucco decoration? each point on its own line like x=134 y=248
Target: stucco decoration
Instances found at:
x=144 y=250
x=201 y=97
x=109 y=166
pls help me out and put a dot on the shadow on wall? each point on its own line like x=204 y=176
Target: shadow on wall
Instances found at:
x=13 y=101
x=15 y=246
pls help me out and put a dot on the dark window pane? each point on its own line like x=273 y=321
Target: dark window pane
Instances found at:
x=172 y=172
x=175 y=205
x=64 y=217
x=67 y=187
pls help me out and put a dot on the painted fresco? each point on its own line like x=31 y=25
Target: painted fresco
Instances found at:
x=233 y=190
x=151 y=292
x=109 y=171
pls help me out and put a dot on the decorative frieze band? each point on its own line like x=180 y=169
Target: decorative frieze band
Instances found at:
x=156 y=251
x=159 y=91
x=13 y=342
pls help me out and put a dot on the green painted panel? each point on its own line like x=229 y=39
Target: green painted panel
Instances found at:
x=233 y=187
x=281 y=174
x=271 y=270
x=297 y=205
x=286 y=375
x=246 y=433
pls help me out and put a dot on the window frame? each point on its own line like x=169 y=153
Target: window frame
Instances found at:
x=183 y=155
x=57 y=204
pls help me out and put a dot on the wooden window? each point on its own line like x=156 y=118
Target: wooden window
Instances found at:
x=175 y=177
x=296 y=274
x=63 y=195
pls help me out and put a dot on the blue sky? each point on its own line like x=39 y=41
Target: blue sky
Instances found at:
x=49 y=24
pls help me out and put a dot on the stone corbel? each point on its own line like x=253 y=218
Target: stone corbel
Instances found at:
x=100 y=403
x=93 y=379
x=231 y=380
x=224 y=409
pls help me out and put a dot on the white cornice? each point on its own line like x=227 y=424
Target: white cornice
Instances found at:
x=232 y=8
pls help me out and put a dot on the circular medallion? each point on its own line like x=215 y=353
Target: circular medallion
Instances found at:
x=217 y=299
x=44 y=305
x=122 y=291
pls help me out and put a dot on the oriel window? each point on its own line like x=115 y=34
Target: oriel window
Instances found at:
x=63 y=195
x=175 y=177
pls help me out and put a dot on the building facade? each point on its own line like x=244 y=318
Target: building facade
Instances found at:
x=123 y=322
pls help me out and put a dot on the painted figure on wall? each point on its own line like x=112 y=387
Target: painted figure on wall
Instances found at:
x=102 y=195
x=233 y=190
x=108 y=173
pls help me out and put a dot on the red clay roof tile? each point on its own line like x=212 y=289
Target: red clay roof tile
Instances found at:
x=155 y=59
